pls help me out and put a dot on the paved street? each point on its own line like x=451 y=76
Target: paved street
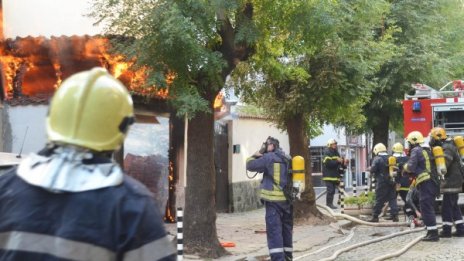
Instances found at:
x=247 y=231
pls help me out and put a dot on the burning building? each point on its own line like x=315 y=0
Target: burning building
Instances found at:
x=32 y=68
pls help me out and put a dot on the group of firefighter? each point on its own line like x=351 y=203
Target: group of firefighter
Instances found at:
x=418 y=176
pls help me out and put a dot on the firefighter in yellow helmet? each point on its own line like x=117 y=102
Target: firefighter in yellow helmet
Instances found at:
x=332 y=167
x=385 y=185
x=421 y=167
x=403 y=181
x=72 y=193
x=451 y=186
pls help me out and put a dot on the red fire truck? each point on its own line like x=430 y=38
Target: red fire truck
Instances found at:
x=429 y=108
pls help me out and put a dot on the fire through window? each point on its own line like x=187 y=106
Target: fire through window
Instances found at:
x=36 y=65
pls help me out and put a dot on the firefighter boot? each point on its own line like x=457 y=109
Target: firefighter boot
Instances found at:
x=432 y=236
x=375 y=219
x=395 y=218
x=458 y=234
x=330 y=205
x=445 y=233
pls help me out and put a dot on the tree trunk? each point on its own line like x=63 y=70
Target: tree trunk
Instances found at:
x=306 y=207
x=200 y=206
x=176 y=142
x=380 y=131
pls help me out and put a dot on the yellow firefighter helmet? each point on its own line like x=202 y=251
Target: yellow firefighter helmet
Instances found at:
x=330 y=142
x=438 y=133
x=415 y=137
x=379 y=147
x=398 y=148
x=91 y=109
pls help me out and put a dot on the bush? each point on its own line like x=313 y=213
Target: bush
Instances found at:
x=361 y=200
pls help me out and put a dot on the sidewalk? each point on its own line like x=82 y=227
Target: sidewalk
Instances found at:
x=247 y=230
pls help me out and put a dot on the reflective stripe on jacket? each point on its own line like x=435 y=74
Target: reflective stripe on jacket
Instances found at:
x=275 y=174
x=112 y=223
x=331 y=165
x=419 y=164
x=379 y=169
x=402 y=178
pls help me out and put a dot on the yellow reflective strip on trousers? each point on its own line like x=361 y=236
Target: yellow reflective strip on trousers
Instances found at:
x=53 y=246
x=404 y=188
x=422 y=177
x=330 y=158
x=330 y=179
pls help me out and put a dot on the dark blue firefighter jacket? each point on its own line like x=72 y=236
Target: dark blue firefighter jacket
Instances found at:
x=113 y=223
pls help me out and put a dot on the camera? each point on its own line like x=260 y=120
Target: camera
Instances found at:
x=263 y=148
x=269 y=140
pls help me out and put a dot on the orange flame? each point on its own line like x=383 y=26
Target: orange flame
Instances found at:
x=49 y=61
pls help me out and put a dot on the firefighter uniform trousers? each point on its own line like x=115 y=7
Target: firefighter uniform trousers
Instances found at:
x=408 y=210
x=428 y=191
x=451 y=212
x=331 y=187
x=279 y=225
x=385 y=193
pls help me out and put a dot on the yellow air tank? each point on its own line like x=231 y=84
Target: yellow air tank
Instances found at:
x=459 y=142
x=298 y=172
x=392 y=168
x=439 y=160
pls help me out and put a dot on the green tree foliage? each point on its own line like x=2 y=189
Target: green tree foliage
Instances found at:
x=200 y=42
x=317 y=58
x=428 y=50
x=314 y=65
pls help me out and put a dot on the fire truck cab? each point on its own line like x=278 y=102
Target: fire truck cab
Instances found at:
x=429 y=108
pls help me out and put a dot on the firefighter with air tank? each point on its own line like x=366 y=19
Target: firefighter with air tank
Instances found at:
x=422 y=168
x=283 y=181
x=402 y=180
x=385 y=184
x=449 y=167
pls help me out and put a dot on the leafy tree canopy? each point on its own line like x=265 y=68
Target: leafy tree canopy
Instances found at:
x=185 y=37
x=318 y=58
x=428 y=50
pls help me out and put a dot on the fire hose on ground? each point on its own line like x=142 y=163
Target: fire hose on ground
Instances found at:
x=389 y=224
x=401 y=251
x=362 y=222
x=357 y=220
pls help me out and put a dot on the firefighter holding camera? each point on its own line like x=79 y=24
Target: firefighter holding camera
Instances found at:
x=272 y=161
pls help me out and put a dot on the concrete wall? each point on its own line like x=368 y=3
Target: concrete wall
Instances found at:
x=250 y=134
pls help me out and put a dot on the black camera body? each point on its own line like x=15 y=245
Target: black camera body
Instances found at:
x=263 y=148
x=269 y=140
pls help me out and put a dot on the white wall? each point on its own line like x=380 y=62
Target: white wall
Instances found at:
x=250 y=134
x=22 y=117
x=47 y=17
